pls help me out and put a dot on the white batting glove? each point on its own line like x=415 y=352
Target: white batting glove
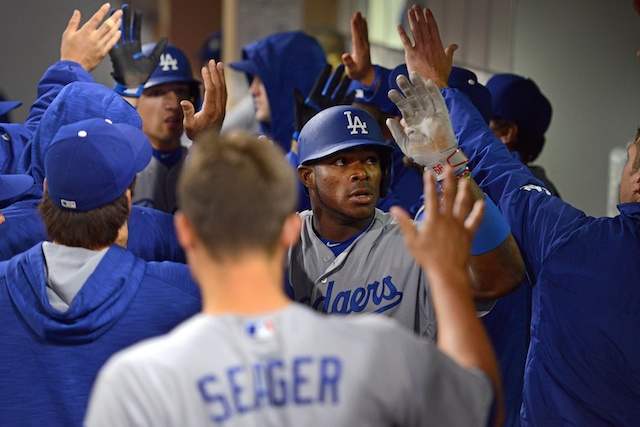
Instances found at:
x=428 y=137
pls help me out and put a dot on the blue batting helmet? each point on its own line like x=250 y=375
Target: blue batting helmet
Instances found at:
x=340 y=128
x=173 y=67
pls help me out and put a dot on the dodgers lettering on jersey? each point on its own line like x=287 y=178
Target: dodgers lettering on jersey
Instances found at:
x=382 y=295
x=304 y=380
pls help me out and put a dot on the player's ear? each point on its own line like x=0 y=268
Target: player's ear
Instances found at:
x=184 y=230
x=306 y=175
x=291 y=230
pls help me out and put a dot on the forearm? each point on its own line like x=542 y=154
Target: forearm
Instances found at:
x=460 y=333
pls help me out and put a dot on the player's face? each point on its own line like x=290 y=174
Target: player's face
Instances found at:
x=159 y=108
x=347 y=185
x=630 y=180
x=260 y=100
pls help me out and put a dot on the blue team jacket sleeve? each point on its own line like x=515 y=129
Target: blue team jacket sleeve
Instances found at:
x=538 y=221
x=53 y=80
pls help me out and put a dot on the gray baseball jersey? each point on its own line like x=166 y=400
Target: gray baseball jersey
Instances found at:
x=156 y=185
x=293 y=367
x=375 y=274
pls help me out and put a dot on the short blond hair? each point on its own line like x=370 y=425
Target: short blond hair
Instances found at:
x=237 y=192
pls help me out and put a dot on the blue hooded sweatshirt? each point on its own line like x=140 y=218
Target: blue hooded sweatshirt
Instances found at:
x=49 y=358
x=283 y=61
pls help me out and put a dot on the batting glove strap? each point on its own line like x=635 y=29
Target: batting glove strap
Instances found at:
x=129 y=91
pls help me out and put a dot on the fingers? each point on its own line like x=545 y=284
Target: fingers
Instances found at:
x=405 y=223
x=189 y=111
x=431 y=202
x=137 y=26
x=404 y=38
x=450 y=50
x=97 y=17
x=74 y=22
x=475 y=217
x=464 y=199
x=401 y=102
x=397 y=131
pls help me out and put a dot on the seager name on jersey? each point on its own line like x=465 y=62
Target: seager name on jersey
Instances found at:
x=303 y=380
x=382 y=295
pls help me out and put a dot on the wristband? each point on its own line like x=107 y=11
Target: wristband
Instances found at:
x=493 y=230
x=130 y=91
x=295 y=135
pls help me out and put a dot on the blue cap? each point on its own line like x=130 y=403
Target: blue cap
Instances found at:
x=519 y=100
x=173 y=67
x=13 y=185
x=212 y=48
x=467 y=81
x=92 y=162
x=338 y=128
x=460 y=78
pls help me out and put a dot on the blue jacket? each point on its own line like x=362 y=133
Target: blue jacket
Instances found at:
x=77 y=98
x=49 y=359
x=14 y=136
x=582 y=365
x=152 y=236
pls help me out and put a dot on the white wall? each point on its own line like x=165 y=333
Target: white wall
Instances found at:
x=582 y=54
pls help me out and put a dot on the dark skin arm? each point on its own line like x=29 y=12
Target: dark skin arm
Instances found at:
x=502 y=270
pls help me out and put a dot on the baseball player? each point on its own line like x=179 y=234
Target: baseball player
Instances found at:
x=275 y=66
x=166 y=103
x=68 y=304
x=351 y=257
x=253 y=357
x=151 y=233
x=581 y=365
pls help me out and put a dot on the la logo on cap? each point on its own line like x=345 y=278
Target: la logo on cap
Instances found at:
x=355 y=124
x=168 y=62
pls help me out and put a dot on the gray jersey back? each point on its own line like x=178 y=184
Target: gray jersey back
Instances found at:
x=156 y=185
x=294 y=367
x=376 y=274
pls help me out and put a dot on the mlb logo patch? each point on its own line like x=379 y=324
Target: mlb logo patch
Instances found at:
x=261 y=329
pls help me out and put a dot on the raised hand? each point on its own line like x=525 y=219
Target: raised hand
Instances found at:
x=131 y=68
x=89 y=44
x=427 y=137
x=214 y=106
x=426 y=55
x=358 y=64
x=329 y=89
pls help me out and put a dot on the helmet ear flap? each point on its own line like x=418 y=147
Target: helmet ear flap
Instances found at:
x=387 y=175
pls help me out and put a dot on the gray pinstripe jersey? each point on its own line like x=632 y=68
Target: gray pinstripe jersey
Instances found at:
x=375 y=274
x=156 y=185
x=293 y=367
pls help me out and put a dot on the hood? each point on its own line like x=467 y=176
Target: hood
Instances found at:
x=283 y=61
x=76 y=101
x=98 y=306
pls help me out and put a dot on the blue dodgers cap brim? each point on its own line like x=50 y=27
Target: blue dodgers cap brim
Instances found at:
x=13 y=185
x=6 y=106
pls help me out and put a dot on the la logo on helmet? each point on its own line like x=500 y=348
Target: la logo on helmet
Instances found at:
x=355 y=124
x=166 y=61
